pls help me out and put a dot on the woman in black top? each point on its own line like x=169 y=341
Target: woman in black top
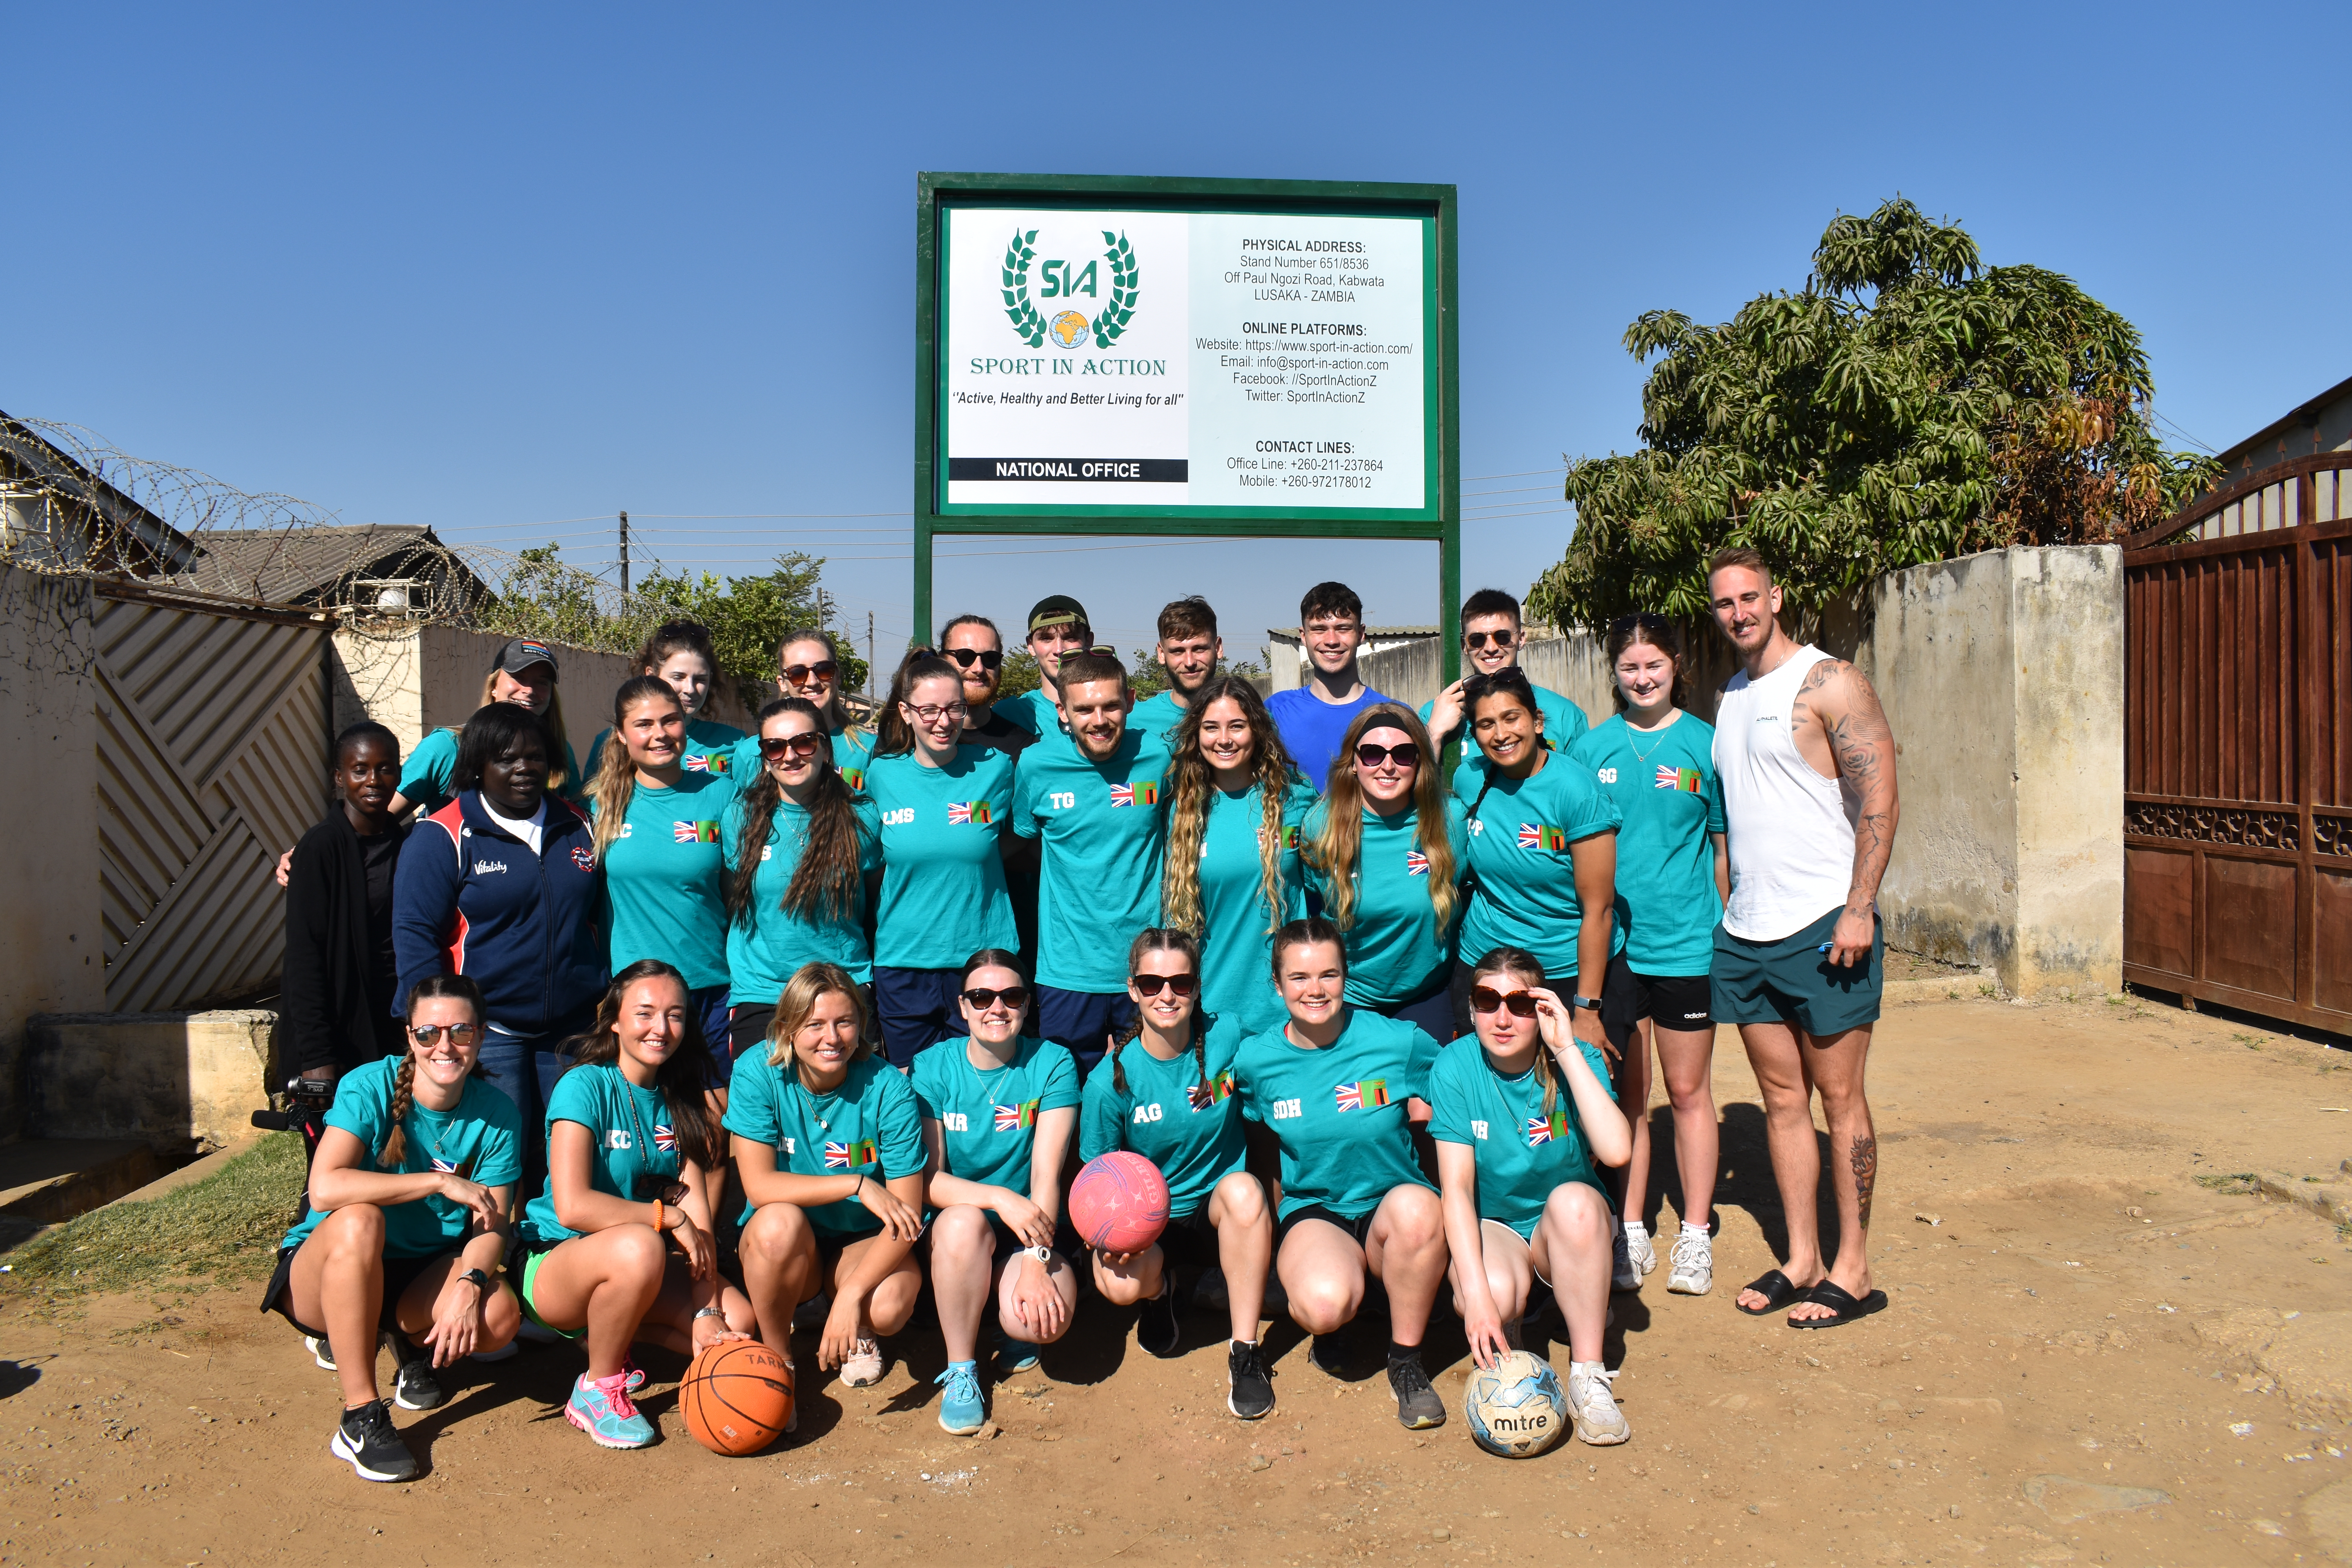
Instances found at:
x=340 y=976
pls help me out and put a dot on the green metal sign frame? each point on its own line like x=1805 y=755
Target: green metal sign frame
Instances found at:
x=1439 y=523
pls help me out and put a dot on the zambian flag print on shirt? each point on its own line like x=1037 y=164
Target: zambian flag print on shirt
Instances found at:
x=705 y=832
x=1370 y=1094
x=1099 y=825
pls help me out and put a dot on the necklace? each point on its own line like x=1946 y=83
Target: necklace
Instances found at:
x=636 y=1127
x=1640 y=756
x=824 y=1107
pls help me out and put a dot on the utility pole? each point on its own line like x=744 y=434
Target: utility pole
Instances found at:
x=625 y=553
x=869 y=653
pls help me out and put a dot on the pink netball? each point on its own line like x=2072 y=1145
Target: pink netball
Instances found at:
x=1120 y=1203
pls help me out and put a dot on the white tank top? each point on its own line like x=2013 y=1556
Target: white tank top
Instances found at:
x=1791 y=830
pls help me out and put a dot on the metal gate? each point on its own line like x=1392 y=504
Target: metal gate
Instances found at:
x=2238 y=750
x=212 y=757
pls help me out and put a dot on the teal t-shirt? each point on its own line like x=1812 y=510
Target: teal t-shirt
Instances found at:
x=632 y=1150
x=709 y=748
x=870 y=1123
x=428 y=776
x=943 y=895
x=853 y=749
x=1522 y=1154
x=1668 y=801
x=768 y=944
x=1236 y=938
x=1194 y=1137
x=1520 y=849
x=480 y=1139
x=1564 y=722
x=1033 y=712
x=1395 y=951
x=1158 y=714
x=1099 y=825
x=988 y=1118
x=665 y=884
x=1339 y=1113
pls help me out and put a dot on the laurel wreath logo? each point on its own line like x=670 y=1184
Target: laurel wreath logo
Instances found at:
x=1125 y=289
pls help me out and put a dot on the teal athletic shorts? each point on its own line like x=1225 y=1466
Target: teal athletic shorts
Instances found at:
x=1792 y=981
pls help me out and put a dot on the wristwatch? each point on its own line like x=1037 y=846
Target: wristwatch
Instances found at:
x=709 y=1312
x=1592 y=1003
x=477 y=1278
x=1042 y=1254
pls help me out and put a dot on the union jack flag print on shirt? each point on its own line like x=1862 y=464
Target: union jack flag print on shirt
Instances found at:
x=1371 y=1093
x=1684 y=779
x=966 y=811
x=1543 y=1130
x=1142 y=792
x=1536 y=835
x=1009 y=1117
x=693 y=832
x=665 y=1138
x=1416 y=864
x=841 y=1156
x=706 y=762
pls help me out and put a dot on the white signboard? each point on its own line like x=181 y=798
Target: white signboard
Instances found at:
x=1185 y=363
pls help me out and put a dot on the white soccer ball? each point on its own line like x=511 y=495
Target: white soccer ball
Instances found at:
x=1515 y=1407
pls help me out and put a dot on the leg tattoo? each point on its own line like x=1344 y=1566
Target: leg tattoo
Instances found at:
x=1864 y=1160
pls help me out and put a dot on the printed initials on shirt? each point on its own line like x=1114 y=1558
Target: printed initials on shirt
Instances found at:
x=1607 y=775
x=898 y=817
x=1478 y=1130
x=787 y=1143
x=628 y=829
x=954 y=1122
x=1061 y=799
x=616 y=1138
x=1144 y=1114
x=1285 y=1109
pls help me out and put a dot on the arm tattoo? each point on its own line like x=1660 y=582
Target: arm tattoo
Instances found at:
x=1863 y=1159
x=1863 y=746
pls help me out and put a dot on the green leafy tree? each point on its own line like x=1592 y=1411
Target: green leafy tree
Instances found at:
x=1907 y=404
x=1020 y=673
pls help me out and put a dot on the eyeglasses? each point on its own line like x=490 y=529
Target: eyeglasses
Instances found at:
x=824 y=670
x=932 y=712
x=1473 y=641
x=804 y=744
x=1149 y=985
x=429 y=1034
x=988 y=657
x=1405 y=756
x=1486 y=999
x=981 y=998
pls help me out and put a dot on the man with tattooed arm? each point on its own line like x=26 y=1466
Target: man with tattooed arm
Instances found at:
x=1807 y=765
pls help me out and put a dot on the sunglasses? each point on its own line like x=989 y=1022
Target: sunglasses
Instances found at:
x=823 y=668
x=1486 y=999
x=1149 y=985
x=981 y=998
x=988 y=657
x=1473 y=641
x=429 y=1034
x=1406 y=756
x=804 y=744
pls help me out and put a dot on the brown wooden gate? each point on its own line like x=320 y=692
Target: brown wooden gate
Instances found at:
x=2238 y=750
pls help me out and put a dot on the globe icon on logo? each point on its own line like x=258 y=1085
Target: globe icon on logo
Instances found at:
x=1069 y=330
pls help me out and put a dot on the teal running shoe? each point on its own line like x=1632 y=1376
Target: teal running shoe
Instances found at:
x=1014 y=1356
x=602 y=1409
x=962 y=1411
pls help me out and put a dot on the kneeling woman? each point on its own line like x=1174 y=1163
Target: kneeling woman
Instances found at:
x=1338 y=1087
x=1166 y=1092
x=1522 y=1199
x=409 y=1197
x=998 y=1108
x=829 y=1147
x=618 y=1248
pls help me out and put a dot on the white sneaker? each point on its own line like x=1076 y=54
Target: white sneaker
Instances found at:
x=1640 y=1248
x=864 y=1366
x=1594 y=1405
x=1624 y=1275
x=1694 y=1263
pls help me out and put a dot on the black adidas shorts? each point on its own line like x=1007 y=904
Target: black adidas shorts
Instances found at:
x=1670 y=1001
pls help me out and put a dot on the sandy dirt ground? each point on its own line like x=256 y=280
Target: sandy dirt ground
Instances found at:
x=2091 y=1356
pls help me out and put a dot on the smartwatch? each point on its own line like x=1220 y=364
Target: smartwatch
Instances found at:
x=1591 y=1002
x=477 y=1278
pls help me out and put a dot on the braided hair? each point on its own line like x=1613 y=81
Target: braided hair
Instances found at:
x=404 y=1081
x=1165 y=939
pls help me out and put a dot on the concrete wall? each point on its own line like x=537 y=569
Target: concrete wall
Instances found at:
x=51 y=956
x=182 y=1082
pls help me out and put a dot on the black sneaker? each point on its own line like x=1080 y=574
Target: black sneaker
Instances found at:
x=1418 y=1405
x=320 y=1351
x=1326 y=1356
x=1156 y=1321
x=366 y=1442
x=413 y=1384
x=1252 y=1392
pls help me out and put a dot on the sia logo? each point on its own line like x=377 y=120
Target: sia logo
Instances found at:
x=1063 y=279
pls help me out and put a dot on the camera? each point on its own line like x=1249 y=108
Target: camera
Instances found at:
x=307 y=1102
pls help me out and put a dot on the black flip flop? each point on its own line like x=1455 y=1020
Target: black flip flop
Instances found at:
x=1775 y=1287
x=1842 y=1303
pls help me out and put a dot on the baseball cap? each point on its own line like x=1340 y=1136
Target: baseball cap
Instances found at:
x=1056 y=610
x=522 y=653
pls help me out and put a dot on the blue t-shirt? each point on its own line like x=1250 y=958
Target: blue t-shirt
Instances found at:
x=853 y=748
x=1396 y=951
x=1564 y=724
x=1669 y=801
x=1099 y=825
x=943 y=894
x=870 y=1123
x=1193 y=1135
x=1522 y=1154
x=1339 y=1113
x=1312 y=728
x=632 y=1148
x=1519 y=847
x=664 y=887
x=767 y=945
x=1237 y=927
x=478 y=1139
x=988 y=1117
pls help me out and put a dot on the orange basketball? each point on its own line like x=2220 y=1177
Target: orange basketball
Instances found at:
x=736 y=1397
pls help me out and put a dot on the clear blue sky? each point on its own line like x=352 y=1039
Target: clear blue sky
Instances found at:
x=488 y=268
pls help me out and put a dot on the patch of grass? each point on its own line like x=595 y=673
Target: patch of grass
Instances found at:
x=2251 y=1042
x=2238 y=1182
x=225 y=1226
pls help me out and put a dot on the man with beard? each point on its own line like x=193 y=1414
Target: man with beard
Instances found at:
x=976 y=649
x=1189 y=650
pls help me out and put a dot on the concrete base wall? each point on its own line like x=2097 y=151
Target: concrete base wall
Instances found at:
x=183 y=1082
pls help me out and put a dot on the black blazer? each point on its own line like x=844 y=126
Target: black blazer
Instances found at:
x=324 y=1019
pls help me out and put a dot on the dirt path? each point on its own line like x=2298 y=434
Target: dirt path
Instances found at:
x=2093 y=1357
